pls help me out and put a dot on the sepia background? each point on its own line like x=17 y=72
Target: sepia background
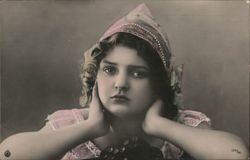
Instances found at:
x=42 y=42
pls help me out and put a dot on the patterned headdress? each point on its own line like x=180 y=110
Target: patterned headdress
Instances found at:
x=141 y=23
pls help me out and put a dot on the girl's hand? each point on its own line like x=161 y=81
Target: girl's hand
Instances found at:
x=152 y=116
x=96 y=115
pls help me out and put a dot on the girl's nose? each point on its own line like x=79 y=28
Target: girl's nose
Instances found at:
x=121 y=82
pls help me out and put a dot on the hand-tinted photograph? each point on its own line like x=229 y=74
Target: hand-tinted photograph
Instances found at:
x=124 y=80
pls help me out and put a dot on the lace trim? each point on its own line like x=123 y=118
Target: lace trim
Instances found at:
x=93 y=149
x=192 y=118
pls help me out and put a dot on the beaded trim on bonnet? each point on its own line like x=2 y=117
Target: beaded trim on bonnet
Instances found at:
x=141 y=23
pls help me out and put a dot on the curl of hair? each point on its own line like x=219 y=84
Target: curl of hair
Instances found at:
x=89 y=68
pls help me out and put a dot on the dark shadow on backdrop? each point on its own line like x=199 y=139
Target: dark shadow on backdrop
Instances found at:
x=43 y=42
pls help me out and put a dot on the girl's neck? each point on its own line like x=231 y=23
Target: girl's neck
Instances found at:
x=127 y=127
x=120 y=130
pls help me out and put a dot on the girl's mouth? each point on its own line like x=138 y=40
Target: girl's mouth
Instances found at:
x=119 y=98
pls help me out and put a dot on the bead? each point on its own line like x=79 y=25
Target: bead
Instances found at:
x=126 y=142
x=116 y=151
x=7 y=153
x=123 y=149
x=110 y=149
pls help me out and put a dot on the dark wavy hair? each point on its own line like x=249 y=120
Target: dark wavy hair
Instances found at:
x=159 y=76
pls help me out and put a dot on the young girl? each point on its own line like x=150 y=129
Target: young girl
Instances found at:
x=130 y=107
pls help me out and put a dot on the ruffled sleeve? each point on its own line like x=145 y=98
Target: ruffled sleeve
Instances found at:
x=64 y=118
x=192 y=118
x=189 y=118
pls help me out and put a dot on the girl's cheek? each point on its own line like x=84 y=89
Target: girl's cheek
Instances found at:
x=103 y=83
x=101 y=79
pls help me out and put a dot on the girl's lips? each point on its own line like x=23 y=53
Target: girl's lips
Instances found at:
x=120 y=98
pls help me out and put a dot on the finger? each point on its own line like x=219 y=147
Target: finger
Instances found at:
x=95 y=102
x=94 y=92
x=157 y=106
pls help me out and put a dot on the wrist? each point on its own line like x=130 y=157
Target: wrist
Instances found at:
x=151 y=127
x=96 y=129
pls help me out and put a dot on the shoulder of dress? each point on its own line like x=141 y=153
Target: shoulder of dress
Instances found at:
x=192 y=118
x=66 y=117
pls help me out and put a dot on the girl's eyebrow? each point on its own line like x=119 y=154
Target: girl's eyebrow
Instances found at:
x=130 y=66
x=139 y=67
x=108 y=62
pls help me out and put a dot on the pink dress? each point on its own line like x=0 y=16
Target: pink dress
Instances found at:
x=87 y=150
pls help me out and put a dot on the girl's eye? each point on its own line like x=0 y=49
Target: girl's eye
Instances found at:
x=139 y=74
x=110 y=70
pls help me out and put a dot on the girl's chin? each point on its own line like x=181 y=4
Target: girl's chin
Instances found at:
x=117 y=110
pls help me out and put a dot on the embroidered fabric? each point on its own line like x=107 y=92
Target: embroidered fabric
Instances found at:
x=133 y=148
x=88 y=150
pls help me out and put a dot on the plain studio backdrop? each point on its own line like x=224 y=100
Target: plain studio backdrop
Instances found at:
x=42 y=42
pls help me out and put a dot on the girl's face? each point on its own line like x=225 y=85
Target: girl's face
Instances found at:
x=124 y=83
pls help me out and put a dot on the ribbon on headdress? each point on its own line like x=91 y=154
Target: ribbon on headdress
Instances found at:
x=176 y=84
